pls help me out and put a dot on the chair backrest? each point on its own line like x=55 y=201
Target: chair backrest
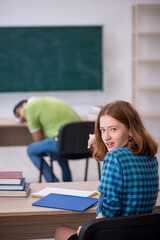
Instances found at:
x=73 y=137
x=137 y=227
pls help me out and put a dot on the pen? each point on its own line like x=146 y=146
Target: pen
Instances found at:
x=93 y=194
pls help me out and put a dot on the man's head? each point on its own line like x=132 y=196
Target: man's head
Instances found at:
x=19 y=110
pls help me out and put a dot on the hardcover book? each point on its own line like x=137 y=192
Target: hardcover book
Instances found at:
x=13 y=193
x=12 y=177
x=15 y=187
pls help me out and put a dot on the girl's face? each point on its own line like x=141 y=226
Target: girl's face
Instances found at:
x=114 y=133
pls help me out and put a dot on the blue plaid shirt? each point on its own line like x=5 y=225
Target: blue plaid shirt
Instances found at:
x=129 y=184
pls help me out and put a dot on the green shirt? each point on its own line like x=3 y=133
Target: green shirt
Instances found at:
x=48 y=114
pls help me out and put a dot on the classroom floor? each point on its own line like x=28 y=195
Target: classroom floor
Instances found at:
x=16 y=159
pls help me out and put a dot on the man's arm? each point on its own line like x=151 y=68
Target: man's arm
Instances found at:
x=37 y=135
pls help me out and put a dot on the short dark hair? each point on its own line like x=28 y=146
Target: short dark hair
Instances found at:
x=19 y=105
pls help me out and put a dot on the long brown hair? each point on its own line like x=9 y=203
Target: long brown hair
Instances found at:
x=125 y=113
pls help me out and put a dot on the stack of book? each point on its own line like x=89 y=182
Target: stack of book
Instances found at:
x=13 y=184
x=94 y=111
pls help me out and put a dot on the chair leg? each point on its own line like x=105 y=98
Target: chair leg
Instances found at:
x=86 y=170
x=41 y=169
x=51 y=163
x=99 y=169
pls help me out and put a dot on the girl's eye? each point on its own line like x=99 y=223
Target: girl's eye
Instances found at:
x=102 y=130
x=113 y=129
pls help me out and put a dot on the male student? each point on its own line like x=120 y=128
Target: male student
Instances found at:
x=44 y=116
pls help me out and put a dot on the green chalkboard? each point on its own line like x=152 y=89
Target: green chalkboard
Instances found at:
x=50 y=58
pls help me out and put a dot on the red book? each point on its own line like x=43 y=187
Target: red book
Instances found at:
x=12 y=177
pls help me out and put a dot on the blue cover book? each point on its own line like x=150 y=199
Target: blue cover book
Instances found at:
x=13 y=187
x=67 y=202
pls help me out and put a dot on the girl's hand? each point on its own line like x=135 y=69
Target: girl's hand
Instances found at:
x=91 y=140
x=78 y=230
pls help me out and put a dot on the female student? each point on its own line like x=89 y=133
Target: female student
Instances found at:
x=129 y=183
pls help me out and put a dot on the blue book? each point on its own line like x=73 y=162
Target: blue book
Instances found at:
x=13 y=187
x=67 y=202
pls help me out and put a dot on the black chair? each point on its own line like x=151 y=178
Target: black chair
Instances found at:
x=140 y=227
x=72 y=139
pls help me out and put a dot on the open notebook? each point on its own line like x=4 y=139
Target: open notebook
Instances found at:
x=44 y=192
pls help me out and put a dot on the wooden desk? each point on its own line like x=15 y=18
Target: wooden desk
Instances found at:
x=20 y=220
x=13 y=133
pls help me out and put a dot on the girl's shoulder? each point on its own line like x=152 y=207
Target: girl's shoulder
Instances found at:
x=119 y=152
x=124 y=155
x=118 y=155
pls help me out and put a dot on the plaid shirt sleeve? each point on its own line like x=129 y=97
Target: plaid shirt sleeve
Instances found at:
x=110 y=187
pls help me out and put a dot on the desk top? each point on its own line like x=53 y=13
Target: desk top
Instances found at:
x=14 y=133
x=17 y=206
x=10 y=122
x=23 y=206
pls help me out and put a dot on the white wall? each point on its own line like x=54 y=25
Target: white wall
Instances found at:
x=114 y=15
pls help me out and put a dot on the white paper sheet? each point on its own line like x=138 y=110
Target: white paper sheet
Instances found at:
x=48 y=190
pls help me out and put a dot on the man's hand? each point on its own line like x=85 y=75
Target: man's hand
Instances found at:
x=37 y=136
x=25 y=124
